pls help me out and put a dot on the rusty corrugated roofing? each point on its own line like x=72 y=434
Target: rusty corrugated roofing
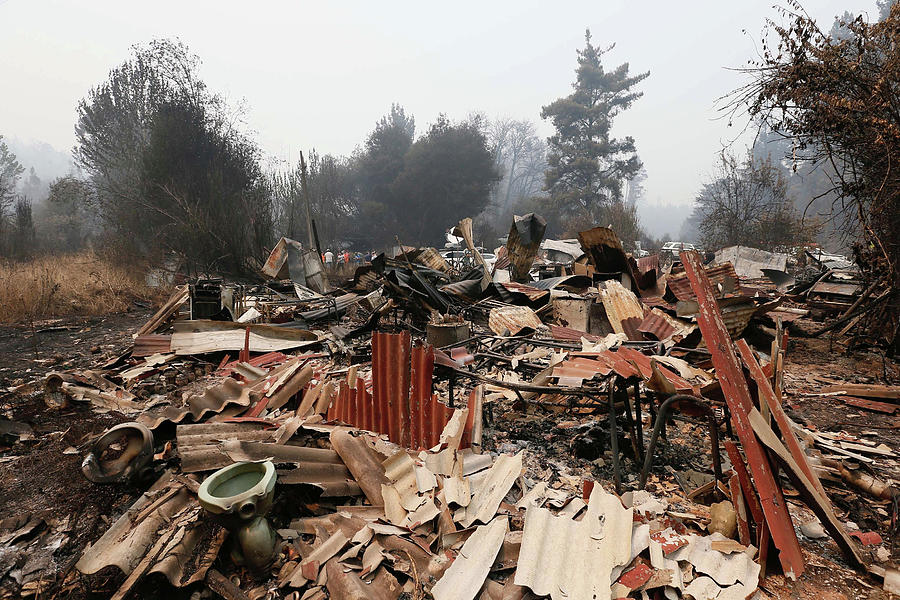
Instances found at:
x=575 y=281
x=720 y=275
x=648 y=263
x=659 y=325
x=532 y=293
x=390 y=381
x=431 y=258
x=623 y=310
x=470 y=288
x=512 y=319
x=558 y=332
x=402 y=404
x=523 y=242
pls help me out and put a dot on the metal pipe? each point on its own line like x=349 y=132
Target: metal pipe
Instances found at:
x=664 y=412
x=614 y=438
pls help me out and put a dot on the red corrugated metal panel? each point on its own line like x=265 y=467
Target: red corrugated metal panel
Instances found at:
x=532 y=293
x=263 y=360
x=647 y=263
x=719 y=275
x=390 y=379
x=568 y=334
x=401 y=404
x=737 y=394
x=421 y=374
x=656 y=326
x=656 y=301
x=643 y=363
x=607 y=362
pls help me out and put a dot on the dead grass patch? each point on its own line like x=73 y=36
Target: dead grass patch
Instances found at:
x=70 y=285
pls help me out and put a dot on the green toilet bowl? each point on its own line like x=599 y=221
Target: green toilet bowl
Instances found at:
x=240 y=496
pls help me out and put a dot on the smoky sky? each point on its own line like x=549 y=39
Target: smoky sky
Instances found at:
x=320 y=74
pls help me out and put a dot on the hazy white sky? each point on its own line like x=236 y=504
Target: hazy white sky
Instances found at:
x=320 y=74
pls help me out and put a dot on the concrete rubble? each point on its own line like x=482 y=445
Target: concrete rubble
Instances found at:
x=498 y=432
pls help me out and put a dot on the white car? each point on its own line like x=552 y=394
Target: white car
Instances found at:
x=677 y=247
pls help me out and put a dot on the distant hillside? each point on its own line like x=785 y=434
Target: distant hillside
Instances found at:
x=48 y=162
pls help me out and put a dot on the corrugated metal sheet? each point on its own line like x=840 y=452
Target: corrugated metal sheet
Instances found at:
x=749 y=262
x=567 y=334
x=575 y=281
x=276 y=263
x=736 y=313
x=574 y=560
x=532 y=293
x=623 y=310
x=202 y=336
x=737 y=394
x=341 y=304
x=720 y=275
x=835 y=288
x=512 y=319
x=571 y=247
x=648 y=263
x=643 y=364
x=604 y=249
x=402 y=404
x=270 y=359
x=606 y=362
x=152 y=343
x=390 y=382
x=523 y=242
x=606 y=253
x=431 y=258
x=659 y=325
x=468 y=288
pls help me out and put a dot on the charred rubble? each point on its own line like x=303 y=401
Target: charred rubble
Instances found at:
x=569 y=422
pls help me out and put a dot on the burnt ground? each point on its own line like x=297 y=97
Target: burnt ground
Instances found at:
x=41 y=476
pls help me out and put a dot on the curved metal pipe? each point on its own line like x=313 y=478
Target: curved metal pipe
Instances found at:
x=663 y=413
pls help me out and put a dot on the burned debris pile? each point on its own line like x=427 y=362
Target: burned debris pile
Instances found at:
x=460 y=430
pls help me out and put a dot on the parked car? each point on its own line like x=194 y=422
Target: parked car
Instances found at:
x=678 y=247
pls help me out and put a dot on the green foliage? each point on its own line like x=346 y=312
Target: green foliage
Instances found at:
x=587 y=166
x=203 y=192
x=447 y=175
x=379 y=166
x=10 y=172
x=169 y=170
x=416 y=190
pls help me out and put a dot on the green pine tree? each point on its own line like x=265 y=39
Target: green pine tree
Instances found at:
x=587 y=166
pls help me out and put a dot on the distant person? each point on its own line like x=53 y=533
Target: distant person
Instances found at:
x=329 y=257
x=346 y=257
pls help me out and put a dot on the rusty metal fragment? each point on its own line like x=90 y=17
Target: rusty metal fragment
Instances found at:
x=737 y=394
x=522 y=244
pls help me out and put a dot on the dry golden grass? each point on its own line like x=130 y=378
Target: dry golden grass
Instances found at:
x=70 y=285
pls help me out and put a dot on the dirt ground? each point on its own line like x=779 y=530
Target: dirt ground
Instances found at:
x=41 y=475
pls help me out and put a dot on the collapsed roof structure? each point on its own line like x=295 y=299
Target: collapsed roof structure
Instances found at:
x=366 y=438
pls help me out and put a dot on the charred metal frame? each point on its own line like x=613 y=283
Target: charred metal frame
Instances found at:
x=665 y=411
